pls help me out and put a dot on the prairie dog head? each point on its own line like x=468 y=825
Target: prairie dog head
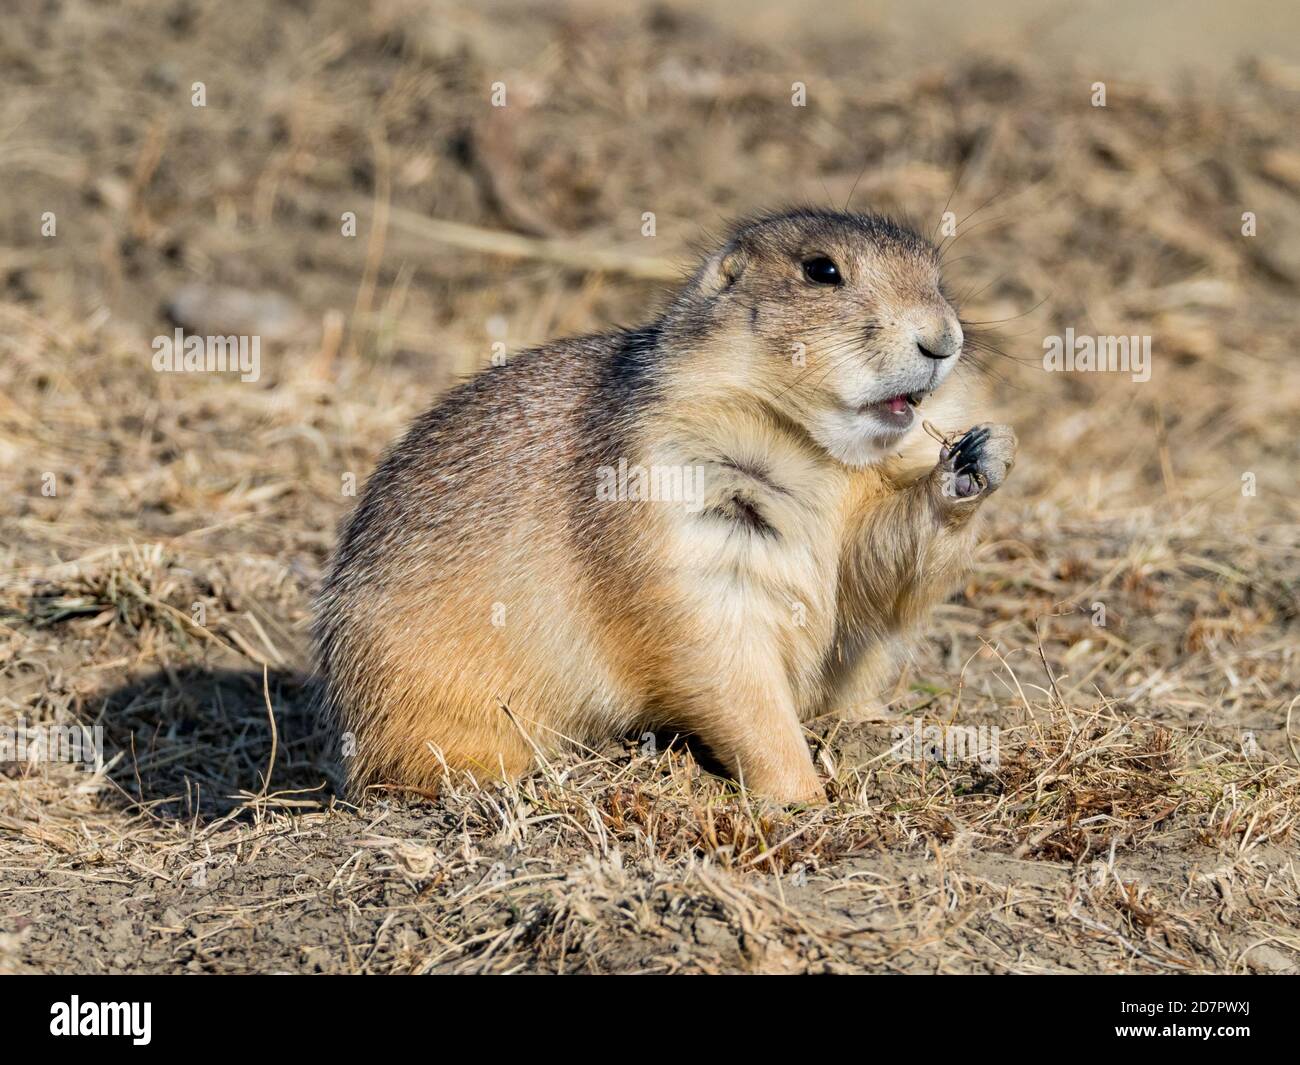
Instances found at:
x=837 y=320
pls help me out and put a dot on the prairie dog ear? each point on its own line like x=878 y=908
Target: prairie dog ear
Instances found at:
x=722 y=269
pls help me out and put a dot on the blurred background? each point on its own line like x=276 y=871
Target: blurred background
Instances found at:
x=384 y=109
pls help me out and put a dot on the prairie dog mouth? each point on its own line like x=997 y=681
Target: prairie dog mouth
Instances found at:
x=896 y=411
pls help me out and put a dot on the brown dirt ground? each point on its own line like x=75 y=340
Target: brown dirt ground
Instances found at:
x=1143 y=815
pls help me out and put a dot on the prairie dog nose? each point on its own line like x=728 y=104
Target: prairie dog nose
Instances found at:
x=942 y=340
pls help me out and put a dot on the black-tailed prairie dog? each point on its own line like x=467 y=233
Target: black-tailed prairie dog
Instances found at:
x=720 y=522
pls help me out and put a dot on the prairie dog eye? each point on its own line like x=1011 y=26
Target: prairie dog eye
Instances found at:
x=822 y=271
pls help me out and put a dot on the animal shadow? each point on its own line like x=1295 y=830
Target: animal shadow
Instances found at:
x=199 y=742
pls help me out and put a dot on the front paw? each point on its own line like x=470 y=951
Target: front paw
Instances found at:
x=977 y=464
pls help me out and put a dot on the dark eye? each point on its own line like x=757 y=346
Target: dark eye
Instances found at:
x=821 y=271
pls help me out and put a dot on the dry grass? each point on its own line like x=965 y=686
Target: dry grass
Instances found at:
x=1142 y=814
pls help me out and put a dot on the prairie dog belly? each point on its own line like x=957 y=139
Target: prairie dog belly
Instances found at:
x=757 y=558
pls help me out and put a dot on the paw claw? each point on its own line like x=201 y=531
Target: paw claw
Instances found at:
x=966 y=452
x=978 y=462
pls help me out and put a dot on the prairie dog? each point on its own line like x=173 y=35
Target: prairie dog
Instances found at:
x=505 y=585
